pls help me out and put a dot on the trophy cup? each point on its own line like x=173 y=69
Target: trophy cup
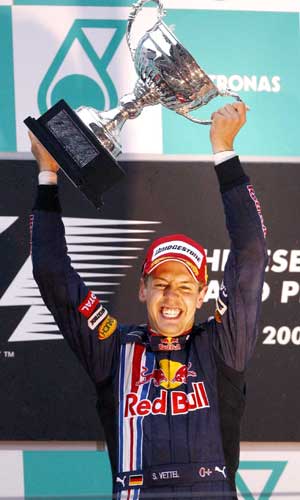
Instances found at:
x=86 y=142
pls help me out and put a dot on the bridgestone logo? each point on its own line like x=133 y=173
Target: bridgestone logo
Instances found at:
x=181 y=248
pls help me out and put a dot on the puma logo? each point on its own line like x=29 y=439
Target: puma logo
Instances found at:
x=122 y=481
x=222 y=471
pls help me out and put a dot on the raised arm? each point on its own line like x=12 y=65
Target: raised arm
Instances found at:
x=77 y=311
x=238 y=307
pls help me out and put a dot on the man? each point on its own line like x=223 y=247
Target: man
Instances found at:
x=171 y=394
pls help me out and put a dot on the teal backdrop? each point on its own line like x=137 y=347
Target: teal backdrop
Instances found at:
x=7 y=97
x=66 y=473
x=243 y=43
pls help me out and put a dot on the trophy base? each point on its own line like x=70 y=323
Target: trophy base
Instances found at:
x=80 y=155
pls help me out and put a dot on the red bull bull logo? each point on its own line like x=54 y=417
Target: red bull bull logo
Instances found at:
x=182 y=373
x=169 y=344
x=157 y=375
x=169 y=375
x=181 y=402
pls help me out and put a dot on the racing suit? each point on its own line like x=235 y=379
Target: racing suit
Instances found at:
x=171 y=414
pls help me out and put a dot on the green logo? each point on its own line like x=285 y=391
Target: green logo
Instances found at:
x=80 y=89
x=276 y=469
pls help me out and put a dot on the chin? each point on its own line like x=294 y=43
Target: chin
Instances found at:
x=170 y=332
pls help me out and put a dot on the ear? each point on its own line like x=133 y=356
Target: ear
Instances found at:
x=142 y=291
x=201 y=296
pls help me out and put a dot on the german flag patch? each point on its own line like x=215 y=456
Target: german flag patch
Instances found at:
x=136 y=480
x=107 y=328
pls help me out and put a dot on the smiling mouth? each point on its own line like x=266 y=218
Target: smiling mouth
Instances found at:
x=170 y=312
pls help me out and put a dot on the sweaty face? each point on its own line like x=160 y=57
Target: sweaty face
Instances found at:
x=172 y=296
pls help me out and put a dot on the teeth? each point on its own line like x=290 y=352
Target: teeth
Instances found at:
x=170 y=313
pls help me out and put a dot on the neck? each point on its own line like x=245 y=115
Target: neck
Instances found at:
x=157 y=334
x=159 y=342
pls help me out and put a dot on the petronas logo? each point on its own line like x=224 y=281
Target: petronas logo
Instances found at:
x=79 y=72
x=270 y=473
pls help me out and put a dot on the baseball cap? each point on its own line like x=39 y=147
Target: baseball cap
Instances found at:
x=180 y=248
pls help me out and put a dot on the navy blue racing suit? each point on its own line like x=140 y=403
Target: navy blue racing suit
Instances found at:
x=171 y=413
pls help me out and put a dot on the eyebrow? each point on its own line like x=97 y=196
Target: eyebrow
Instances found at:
x=183 y=282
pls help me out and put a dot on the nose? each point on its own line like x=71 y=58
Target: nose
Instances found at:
x=170 y=292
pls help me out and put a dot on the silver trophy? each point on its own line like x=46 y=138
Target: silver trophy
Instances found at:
x=86 y=142
x=168 y=75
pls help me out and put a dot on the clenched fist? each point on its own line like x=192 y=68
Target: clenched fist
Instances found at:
x=226 y=123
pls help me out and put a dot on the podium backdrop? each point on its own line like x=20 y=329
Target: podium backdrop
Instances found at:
x=45 y=394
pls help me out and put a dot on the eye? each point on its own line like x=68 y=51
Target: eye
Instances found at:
x=160 y=285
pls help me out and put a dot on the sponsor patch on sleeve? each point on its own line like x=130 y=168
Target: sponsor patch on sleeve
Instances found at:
x=88 y=306
x=223 y=291
x=221 y=306
x=221 y=301
x=221 y=309
x=97 y=317
x=107 y=328
x=218 y=317
x=258 y=208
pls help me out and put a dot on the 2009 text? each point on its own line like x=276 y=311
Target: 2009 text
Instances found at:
x=283 y=335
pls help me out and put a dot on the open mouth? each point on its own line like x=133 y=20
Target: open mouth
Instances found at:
x=170 y=312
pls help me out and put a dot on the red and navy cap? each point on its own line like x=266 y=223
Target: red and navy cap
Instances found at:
x=179 y=248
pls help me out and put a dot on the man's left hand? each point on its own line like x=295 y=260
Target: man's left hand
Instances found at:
x=226 y=123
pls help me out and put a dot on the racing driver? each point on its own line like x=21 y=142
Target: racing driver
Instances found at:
x=170 y=394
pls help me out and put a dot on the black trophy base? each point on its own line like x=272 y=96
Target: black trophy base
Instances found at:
x=77 y=151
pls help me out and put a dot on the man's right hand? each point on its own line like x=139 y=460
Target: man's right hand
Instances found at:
x=44 y=160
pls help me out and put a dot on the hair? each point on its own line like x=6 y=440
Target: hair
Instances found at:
x=145 y=278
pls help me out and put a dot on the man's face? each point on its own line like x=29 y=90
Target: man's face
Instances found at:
x=172 y=297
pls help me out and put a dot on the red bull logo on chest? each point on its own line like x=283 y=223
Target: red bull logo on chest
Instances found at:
x=181 y=402
x=169 y=375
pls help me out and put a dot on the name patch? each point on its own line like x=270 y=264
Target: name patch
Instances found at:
x=168 y=474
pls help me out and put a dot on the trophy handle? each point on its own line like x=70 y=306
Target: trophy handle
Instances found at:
x=222 y=93
x=136 y=8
